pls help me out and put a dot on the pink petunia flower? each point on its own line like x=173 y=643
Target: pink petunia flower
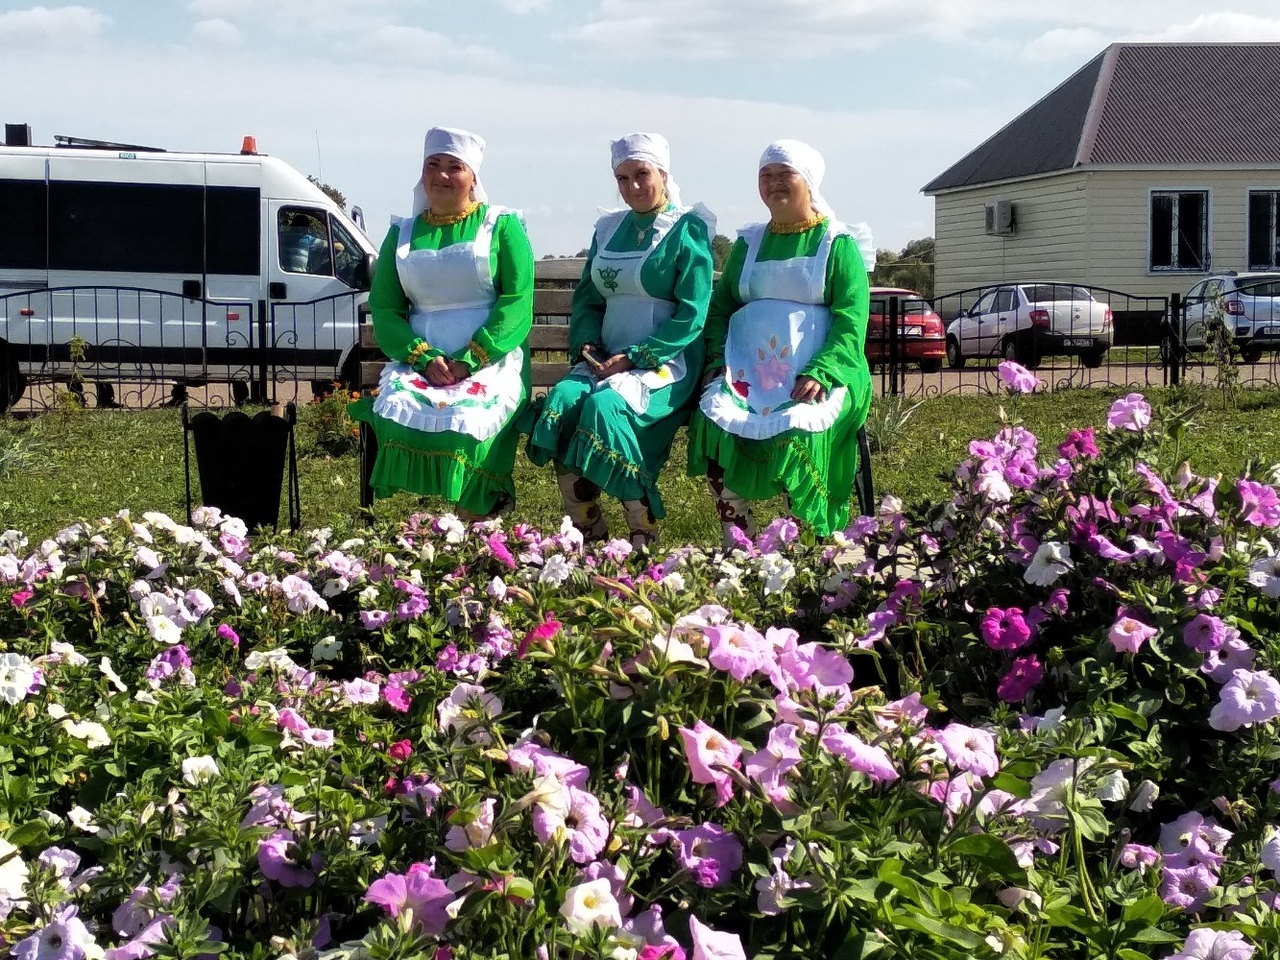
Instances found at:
x=1017 y=377
x=709 y=852
x=1128 y=634
x=704 y=747
x=416 y=890
x=709 y=944
x=1205 y=633
x=1004 y=629
x=582 y=826
x=969 y=749
x=1259 y=504
x=1131 y=413
x=862 y=757
x=1249 y=697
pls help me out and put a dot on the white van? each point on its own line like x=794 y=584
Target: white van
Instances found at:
x=186 y=267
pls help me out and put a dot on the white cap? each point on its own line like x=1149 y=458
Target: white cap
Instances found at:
x=651 y=148
x=808 y=162
x=462 y=144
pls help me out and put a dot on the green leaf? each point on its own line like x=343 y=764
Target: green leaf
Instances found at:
x=1147 y=910
x=991 y=852
x=938 y=929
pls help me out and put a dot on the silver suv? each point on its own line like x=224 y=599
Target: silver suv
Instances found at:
x=1249 y=305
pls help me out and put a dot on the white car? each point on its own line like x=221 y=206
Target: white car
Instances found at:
x=1027 y=321
x=1248 y=303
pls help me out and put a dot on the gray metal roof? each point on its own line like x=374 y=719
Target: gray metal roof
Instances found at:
x=1194 y=104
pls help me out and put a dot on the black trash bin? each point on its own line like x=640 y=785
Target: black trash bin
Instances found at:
x=243 y=462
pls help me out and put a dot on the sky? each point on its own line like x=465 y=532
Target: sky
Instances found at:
x=891 y=92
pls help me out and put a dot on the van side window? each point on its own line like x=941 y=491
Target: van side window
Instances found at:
x=304 y=241
x=25 y=221
x=346 y=254
x=126 y=227
x=233 y=230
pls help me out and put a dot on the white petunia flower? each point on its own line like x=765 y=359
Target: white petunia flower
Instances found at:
x=590 y=904
x=109 y=672
x=91 y=732
x=16 y=677
x=163 y=630
x=13 y=872
x=1051 y=561
x=329 y=648
x=197 y=770
x=82 y=819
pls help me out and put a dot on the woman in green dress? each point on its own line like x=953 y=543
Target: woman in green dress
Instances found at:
x=787 y=382
x=452 y=304
x=636 y=333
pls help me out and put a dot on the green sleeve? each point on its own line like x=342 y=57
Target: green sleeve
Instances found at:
x=390 y=308
x=840 y=359
x=692 y=292
x=724 y=302
x=511 y=315
x=587 y=318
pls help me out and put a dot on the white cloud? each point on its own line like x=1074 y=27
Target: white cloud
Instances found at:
x=219 y=9
x=1074 y=43
x=416 y=45
x=217 y=33
x=525 y=6
x=42 y=25
x=1224 y=26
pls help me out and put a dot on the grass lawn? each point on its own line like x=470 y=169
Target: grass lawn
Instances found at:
x=62 y=466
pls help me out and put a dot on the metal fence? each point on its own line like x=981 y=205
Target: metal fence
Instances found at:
x=1071 y=335
x=124 y=346
x=134 y=347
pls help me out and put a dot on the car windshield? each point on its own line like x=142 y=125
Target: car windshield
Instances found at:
x=1048 y=292
x=909 y=304
x=1268 y=286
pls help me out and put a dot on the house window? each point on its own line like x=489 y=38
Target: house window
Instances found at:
x=1180 y=230
x=1264 y=230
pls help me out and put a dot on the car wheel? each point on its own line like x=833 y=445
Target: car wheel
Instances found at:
x=955 y=359
x=1250 y=354
x=1093 y=359
x=931 y=365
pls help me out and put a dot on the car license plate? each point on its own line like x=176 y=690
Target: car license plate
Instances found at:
x=913 y=331
x=1077 y=342
x=1267 y=332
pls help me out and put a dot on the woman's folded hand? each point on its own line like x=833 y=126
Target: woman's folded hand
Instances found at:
x=808 y=390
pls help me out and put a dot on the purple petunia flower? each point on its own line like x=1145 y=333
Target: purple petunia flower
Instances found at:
x=1205 y=633
x=1259 y=504
x=1025 y=674
x=1131 y=413
x=1188 y=888
x=581 y=825
x=1249 y=697
x=1207 y=944
x=969 y=749
x=417 y=890
x=863 y=757
x=708 y=851
x=1079 y=445
x=278 y=859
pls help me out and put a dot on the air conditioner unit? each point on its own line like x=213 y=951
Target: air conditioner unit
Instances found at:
x=1001 y=218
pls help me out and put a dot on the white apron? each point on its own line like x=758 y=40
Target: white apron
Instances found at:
x=630 y=314
x=451 y=292
x=772 y=337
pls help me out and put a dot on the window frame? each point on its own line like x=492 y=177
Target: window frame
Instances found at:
x=1206 y=255
x=1274 y=192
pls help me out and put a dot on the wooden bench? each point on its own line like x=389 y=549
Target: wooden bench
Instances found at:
x=549 y=347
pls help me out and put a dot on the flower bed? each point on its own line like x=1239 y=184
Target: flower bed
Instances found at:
x=1037 y=720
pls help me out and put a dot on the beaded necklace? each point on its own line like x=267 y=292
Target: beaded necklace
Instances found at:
x=800 y=227
x=448 y=219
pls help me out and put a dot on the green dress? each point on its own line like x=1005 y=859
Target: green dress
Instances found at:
x=644 y=292
x=815 y=468
x=432 y=297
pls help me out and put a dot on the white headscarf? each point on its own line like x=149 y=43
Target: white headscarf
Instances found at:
x=462 y=144
x=808 y=162
x=651 y=148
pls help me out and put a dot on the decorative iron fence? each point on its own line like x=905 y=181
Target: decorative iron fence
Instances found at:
x=135 y=347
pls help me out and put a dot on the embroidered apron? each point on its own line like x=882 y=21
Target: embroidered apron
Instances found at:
x=772 y=337
x=630 y=314
x=451 y=291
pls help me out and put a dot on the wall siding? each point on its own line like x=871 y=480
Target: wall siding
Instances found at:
x=1090 y=227
x=1120 y=223
x=1049 y=243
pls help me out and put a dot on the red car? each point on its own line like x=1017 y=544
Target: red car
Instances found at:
x=922 y=334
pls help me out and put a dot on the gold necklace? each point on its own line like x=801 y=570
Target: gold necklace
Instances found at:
x=800 y=227
x=448 y=219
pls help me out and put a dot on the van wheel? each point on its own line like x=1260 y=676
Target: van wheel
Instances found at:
x=12 y=381
x=931 y=365
x=955 y=359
